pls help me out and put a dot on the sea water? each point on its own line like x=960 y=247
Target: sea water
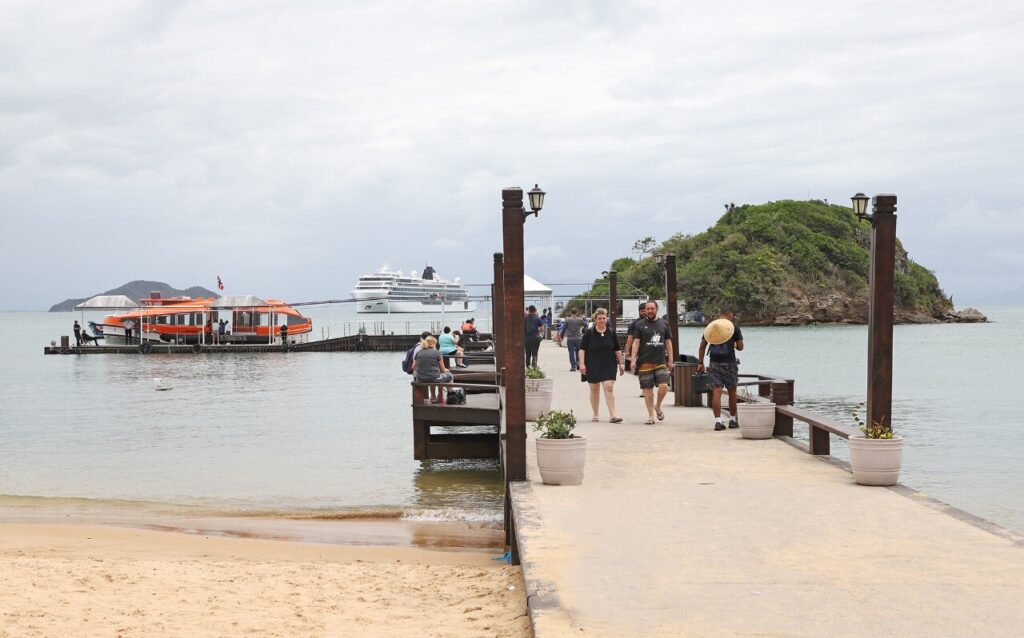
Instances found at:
x=328 y=436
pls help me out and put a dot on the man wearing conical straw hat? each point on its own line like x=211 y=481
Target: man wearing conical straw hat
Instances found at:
x=724 y=338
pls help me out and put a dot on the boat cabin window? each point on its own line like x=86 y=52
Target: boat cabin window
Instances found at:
x=162 y=320
x=292 y=320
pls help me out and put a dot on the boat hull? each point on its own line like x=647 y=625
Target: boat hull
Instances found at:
x=383 y=306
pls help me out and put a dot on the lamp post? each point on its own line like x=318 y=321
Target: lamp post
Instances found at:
x=497 y=312
x=881 y=297
x=613 y=295
x=513 y=218
x=671 y=296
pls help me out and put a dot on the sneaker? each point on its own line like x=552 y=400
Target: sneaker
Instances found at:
x=719 y=426
x=733 y=424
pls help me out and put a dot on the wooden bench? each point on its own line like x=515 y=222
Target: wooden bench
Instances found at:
x=819 y=428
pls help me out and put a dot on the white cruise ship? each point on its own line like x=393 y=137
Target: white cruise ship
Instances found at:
x=391 y=291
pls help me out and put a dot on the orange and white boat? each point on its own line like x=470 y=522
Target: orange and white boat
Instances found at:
x=188 y=320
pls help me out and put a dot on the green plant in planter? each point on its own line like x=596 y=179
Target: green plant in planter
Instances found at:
x=877 y=430
x=556 y=424
x=534 y=372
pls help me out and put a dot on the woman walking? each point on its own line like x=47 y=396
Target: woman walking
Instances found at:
x=599 y=355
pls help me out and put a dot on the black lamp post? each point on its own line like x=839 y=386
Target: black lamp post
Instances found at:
x=881 y=303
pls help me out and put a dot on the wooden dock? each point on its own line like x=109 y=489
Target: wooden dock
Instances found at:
x=679 y=530
x=467 y=431
x=350 y=343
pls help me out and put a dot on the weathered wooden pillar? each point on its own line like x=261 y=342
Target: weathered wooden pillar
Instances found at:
x=672 y=300
x=613 y=297
x=782 y=394
x=514 y=334
x=498 y=312
x=880 y=309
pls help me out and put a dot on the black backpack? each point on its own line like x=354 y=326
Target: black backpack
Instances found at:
x=410 y=354
x=457 y=396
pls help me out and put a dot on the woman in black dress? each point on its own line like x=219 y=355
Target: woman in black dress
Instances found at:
x=599 y=355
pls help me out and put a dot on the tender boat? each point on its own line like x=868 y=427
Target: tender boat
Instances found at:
x=182 y=320
x=391 y=291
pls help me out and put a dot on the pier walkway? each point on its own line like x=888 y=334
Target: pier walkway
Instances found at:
x=679 y=530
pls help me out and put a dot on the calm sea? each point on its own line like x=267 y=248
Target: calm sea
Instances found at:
x=328 y=435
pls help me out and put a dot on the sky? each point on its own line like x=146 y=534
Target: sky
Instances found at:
x=290 y=147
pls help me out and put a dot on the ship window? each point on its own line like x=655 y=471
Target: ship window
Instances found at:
x=181 y=319
x=293 y=320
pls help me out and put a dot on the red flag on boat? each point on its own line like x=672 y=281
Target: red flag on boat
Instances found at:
x=220 y=284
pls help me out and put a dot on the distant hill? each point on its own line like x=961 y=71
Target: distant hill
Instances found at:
x=136 y=290
x=785 y=263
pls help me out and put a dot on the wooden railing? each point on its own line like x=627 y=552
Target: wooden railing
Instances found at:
x=779 y=391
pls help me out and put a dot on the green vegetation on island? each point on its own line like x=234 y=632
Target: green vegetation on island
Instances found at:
x=785 y=262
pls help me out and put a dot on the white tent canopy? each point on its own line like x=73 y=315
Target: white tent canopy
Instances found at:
x=107 y=302
x=536 y=290
x=533 y=287
x=230 y=301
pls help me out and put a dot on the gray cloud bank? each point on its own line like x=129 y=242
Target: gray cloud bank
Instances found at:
x=290 y=147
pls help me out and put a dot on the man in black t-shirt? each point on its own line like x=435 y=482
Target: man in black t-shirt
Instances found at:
x=724 y=338
x=652 y=352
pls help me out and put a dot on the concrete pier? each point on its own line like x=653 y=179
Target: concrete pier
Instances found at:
x=679 y=530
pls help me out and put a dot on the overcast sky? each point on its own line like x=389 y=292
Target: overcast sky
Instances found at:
x=291 y=146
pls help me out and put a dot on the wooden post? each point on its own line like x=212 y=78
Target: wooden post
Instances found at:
x=672 y=300
x=880 y=309
x=498 y=313
x=613 y=297
x=782 y=394
x=514 y=335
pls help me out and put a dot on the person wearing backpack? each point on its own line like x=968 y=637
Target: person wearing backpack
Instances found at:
x=722 y=338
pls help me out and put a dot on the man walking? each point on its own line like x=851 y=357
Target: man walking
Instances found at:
x=534 y=326
x=725 y=338
x=128 y=324
x=651 y=353
x=573 y=327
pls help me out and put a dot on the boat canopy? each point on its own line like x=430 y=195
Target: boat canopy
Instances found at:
x=232 y=301
x=107 y=302
x=533 y=287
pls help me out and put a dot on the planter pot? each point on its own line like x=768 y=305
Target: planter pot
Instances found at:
x=537 y=403
x=561 y=460
x=876 y=461
x=757 y=420
x=540 y=385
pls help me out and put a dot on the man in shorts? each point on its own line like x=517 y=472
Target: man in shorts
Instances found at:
x=651 y=353
x=722 y=338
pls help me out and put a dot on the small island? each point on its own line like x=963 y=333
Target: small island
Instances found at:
x=136 y=290
x=785 y=263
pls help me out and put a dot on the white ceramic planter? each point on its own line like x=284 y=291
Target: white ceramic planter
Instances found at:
x=757 y=420
x=876 y=461
x=561 y=461
x=540 y=385
x=536 y=404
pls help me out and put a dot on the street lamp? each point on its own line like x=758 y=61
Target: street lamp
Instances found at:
x=860 y=205
x=659 y=258
x=536 y=202
x=513 y=220
x=881 y=306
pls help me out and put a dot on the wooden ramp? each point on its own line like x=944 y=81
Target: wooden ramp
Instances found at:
x=469 y=431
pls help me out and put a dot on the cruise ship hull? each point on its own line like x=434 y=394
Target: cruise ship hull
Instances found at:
x=382 y=306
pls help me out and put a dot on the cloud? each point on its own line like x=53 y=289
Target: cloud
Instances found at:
x=299 y=144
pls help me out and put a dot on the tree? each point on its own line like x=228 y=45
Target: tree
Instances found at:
x=644 y=246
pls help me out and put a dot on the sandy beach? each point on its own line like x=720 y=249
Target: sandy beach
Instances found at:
x=77 y=580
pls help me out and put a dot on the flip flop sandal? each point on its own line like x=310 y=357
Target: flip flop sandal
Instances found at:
x=595 y=419
x=649 y=422
x=661 y=415
x=617 y=419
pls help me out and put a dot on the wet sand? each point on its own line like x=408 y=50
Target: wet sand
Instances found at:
x=87 y=580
